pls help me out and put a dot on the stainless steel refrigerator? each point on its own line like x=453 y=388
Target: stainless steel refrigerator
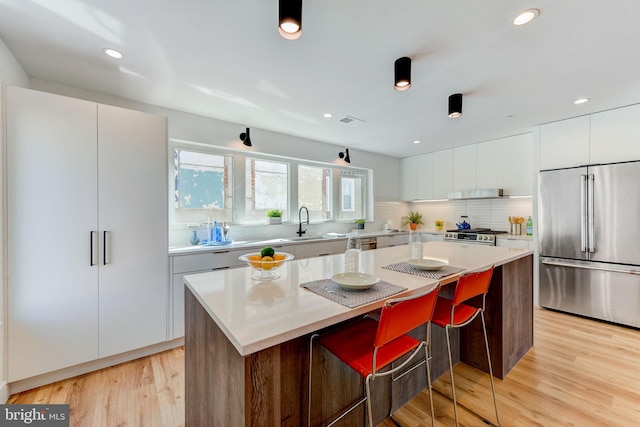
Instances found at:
x=589 y=236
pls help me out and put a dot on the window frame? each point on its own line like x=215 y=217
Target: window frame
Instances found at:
x=238 y=192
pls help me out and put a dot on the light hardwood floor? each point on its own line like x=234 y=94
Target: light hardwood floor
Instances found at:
x=579 y=373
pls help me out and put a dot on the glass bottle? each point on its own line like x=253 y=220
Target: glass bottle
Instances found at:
x=415 y=241
x=194 y=238
x=352 y=254
x=529 y=227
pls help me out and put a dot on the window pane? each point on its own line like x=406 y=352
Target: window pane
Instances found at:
x=314 y=191
x=267 y=187
x=353 y=187
x=202 y=186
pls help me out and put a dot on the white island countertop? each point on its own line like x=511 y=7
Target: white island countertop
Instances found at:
x=256 y=315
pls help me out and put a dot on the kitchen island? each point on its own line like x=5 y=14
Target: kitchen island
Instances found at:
x=247 y=342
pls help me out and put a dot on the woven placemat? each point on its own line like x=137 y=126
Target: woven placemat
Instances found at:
x=405 y=267
x=352 y=298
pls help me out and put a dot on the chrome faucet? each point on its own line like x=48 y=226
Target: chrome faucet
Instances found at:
x=300 y=231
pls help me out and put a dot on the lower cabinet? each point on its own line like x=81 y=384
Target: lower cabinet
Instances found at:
x=515 y=243
x=392 y=240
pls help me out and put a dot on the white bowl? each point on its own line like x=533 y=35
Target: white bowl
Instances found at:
x=426 y=263
x=355 y=281
x=265 y=270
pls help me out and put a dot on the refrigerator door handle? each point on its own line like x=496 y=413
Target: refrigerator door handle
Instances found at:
x=589 y=266
x=591 y=236
x=583 y=213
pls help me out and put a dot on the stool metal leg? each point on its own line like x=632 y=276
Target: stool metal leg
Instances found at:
x=493 y=387
x=453 y=387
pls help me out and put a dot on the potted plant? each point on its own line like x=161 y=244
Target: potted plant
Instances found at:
x=439 y=224
x=413 y=219
x=275 y=216
x=360 y=223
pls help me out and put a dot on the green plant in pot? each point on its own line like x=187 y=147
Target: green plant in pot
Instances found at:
x=275 y=216
x=413 y=219
x=360 y=223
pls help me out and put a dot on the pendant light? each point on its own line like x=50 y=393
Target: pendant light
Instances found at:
x=402 y=74
x=455 y=105
x=290 y=19
x=246 y=140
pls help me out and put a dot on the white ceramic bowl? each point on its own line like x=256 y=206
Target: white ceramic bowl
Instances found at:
x=426 y=263
x=355 y=281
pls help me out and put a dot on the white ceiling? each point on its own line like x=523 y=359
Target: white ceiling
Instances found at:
x=225 y=59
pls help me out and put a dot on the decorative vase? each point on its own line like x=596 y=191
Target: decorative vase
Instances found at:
x=275 y=220
x=194 y=238
x=360 y=226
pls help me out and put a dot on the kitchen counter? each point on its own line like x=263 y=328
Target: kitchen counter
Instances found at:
x=280 y=241
x=247 y=342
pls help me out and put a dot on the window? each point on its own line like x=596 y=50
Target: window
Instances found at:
x=266 y=187
x=202 y=184
x=352 y=195
x=314 y=191
x=223 y=184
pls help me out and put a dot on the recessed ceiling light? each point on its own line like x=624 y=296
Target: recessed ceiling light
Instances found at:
x=416 y=142
x=581 y=101
x=113 y=53
x=327 y=115
x=526 y=16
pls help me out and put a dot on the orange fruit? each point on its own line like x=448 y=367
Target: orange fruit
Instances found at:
x=255 y=261
x=267 y=263
x=278 y=257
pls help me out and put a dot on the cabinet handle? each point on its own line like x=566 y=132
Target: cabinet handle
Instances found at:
x=104 y=247
x=91 y=263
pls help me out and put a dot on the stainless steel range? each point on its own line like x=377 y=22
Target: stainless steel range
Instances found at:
x=476 y=236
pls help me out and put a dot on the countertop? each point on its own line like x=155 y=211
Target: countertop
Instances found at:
x=256 y=315
x=294 y=240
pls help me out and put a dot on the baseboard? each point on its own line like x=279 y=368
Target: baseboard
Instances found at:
x=94 y=365
x=4 y=393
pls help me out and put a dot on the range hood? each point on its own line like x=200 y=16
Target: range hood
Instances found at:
x=485 y=193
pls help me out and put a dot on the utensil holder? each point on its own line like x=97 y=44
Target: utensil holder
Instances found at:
x=516 y=229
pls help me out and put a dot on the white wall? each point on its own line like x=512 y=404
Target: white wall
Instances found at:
x=11 y=72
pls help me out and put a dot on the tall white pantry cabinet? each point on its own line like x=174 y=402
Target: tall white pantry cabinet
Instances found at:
x=87 y=231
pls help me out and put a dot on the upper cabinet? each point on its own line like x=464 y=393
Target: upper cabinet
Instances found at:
x=606 y=137
x=464 y=168
x=565 y=143
x=615 y=135
x=517 y=171
x=442 y=174
x=502 y=163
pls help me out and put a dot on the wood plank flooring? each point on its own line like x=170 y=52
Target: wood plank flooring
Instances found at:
x=579 y=373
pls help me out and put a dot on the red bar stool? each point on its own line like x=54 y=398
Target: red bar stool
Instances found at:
x=367 y=345
x=454 y=313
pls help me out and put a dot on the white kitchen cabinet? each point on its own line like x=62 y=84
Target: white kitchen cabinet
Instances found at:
x=319 y=248
x=392 y=240
x=490 y=164
x=409 y=178
x=199 y=263
x=87 y=241
x=565 y=143
x=518 y=165
x=615 y=135
x=514 y=243
x=424 y=176
x=442 y=173
x=464 y=168
x=432 y=237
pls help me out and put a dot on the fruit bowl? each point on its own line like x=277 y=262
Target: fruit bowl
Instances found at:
x=264 y=268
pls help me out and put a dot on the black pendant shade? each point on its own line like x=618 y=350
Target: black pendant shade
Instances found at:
x=345 y=155
x=402 y=68
x=455 y=105
x=246 y=139
x=290 y=19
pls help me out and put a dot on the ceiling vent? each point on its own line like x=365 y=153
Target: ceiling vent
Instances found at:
x=352 y=120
